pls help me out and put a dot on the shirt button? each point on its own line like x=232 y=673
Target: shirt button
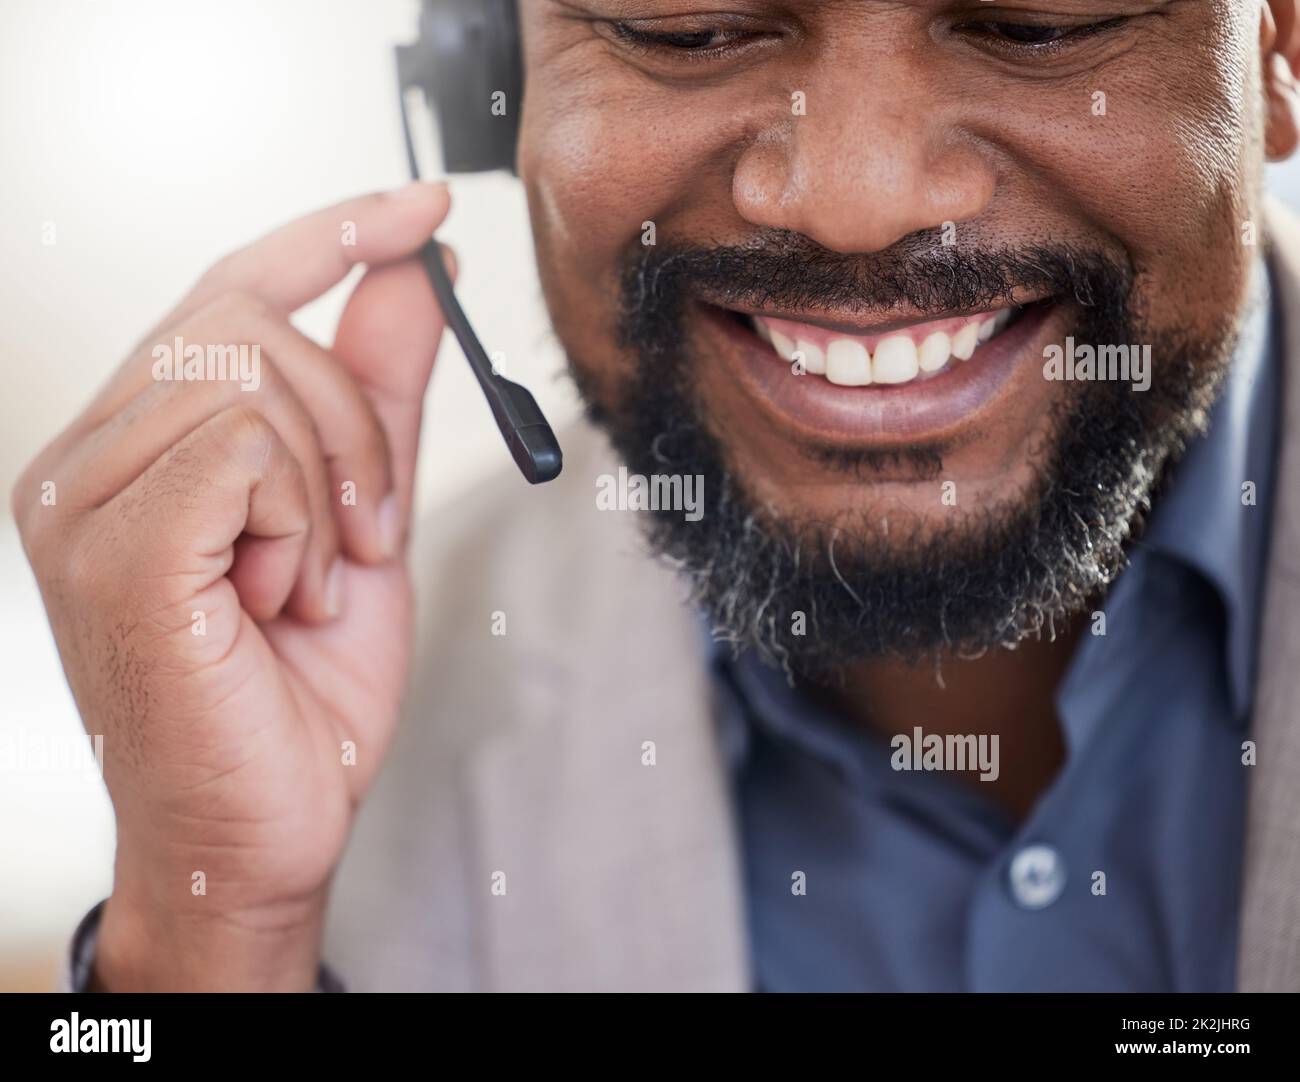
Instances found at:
x=1036 y=876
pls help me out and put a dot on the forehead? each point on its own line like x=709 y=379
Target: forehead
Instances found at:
x=628 y=9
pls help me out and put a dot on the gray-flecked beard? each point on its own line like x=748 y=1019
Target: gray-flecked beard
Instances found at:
x=814 y=596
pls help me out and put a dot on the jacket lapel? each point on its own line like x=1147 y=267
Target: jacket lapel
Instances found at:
x=618 y=875
x=1269 y=955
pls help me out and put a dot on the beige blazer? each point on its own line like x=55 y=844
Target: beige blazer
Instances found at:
x=515 y=840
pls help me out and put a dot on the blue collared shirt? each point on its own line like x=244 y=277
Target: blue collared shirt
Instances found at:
x=861 y=878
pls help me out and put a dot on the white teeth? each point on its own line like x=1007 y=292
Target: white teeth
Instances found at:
x=935 y=351
x=783 y=345
x=895 y=360
x=965 y=341
x=848 y=363
x=814 y=360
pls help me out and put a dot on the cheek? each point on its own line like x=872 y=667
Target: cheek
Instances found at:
x=579 y=227
x=597 y=174
x=1164 y=164
x=580 y=221
x=603 y=163
x=1202 y=201
x=1189 y=190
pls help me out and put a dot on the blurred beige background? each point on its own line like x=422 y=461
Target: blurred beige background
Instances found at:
x=151 y=136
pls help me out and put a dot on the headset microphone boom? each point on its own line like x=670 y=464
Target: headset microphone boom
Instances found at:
x=468 y=52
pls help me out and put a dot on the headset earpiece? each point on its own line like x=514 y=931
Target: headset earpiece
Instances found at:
x=469 y=65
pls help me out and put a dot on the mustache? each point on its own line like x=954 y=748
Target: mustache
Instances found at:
x=787 y=270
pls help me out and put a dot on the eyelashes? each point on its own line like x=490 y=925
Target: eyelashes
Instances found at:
x=1036 y=38
x=1025 y=40
x=695 y=43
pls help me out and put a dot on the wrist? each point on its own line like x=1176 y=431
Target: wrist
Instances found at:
x=143 y=947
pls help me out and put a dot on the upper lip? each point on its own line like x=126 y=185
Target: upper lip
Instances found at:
x=841 y=323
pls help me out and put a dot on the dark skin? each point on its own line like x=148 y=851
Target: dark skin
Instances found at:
x=222 y=750
x=1007 y=692
x=917 y=113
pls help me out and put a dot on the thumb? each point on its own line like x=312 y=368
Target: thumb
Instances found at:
x=388 y=337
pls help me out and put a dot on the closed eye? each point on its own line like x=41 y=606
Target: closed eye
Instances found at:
x=704 y=42
x=1028 y=39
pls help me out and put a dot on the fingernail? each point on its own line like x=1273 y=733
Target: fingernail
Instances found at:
x=334 y=588
x=390 y=525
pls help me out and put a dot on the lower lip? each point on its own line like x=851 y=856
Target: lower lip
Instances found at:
x=908 y=413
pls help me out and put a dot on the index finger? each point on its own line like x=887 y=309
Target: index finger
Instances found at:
x=298 y=262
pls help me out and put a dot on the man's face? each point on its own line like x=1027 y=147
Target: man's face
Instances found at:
x=878 y=185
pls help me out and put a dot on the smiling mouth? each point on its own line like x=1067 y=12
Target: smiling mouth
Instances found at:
x=883 y=357
x=831 y=378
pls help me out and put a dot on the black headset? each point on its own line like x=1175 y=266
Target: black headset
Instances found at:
x=468 y=66
x=468 y=51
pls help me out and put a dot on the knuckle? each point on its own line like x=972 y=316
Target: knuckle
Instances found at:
x=238 y=436
x=247 y=428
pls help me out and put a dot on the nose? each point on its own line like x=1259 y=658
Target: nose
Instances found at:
x=866 y=163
